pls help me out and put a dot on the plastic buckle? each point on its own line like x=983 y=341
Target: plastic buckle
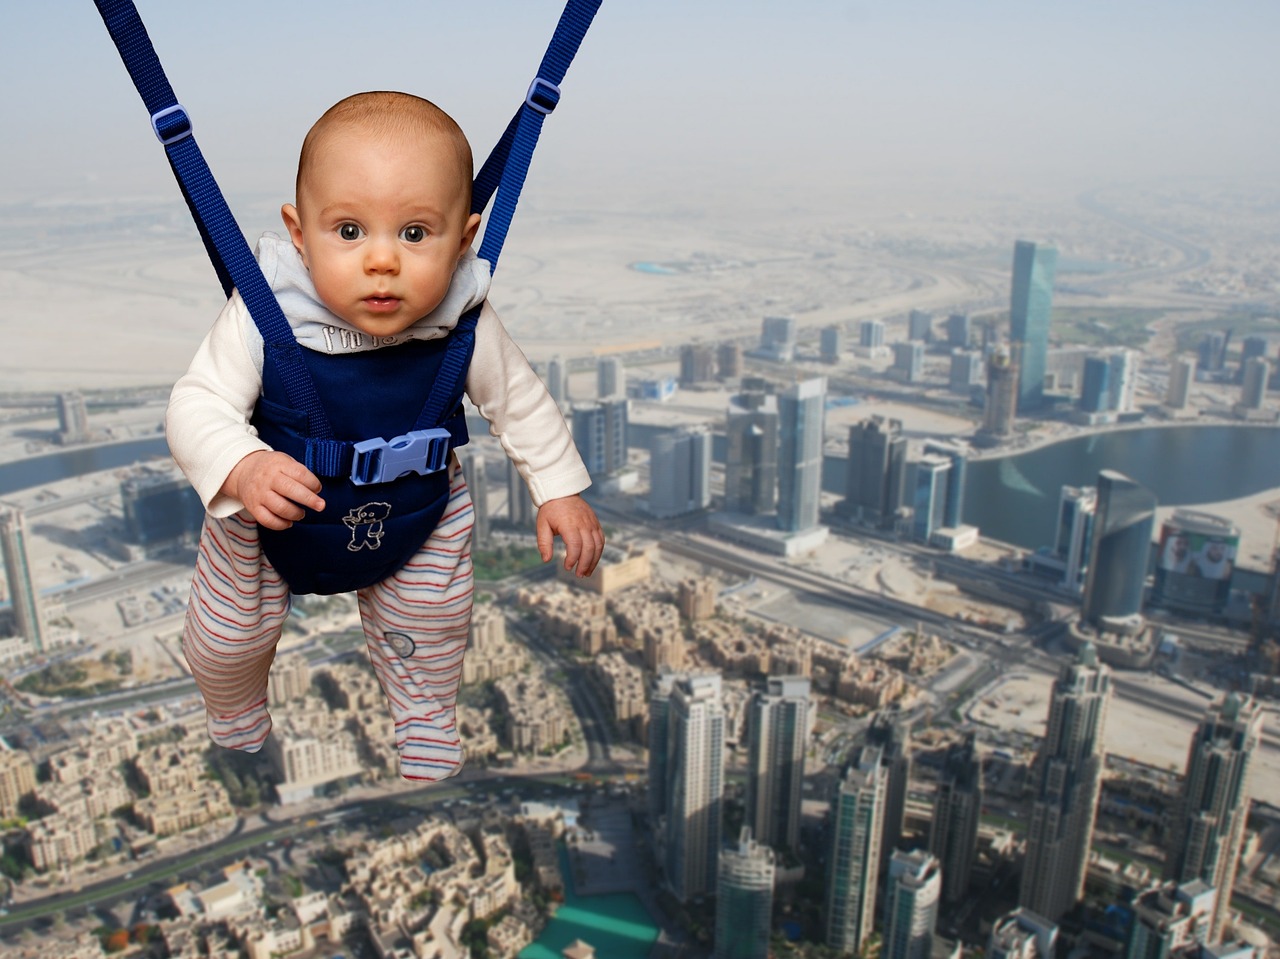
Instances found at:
x=178 y=126
x=418 y=451
x=543 y=95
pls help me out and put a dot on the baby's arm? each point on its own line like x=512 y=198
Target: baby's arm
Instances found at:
x=575 y=522
x=273 y=487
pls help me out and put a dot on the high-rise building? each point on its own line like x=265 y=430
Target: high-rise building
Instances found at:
x=891 y=738
x=777 y=736
x=679 y=472
x=908 y=360
x=965 y=372
x=73 y=418
x=687 y=724
x=877 y=470
x=610 y=377
x=1168 y=918
x=519 y=504
x=1181 y=372
x=957 y=810
x=927 y=480
x=958 y=330
x=28 y=617
x=1211 y=354
x=17 y=779
x=1030 y=305
x=1253 y=392
x=1207 y=830
x=911 y=905
x=1068 y=778
x=478 y=485
x=600 y=433
x=160 y=507
x=697 y=364
x=853 y=852
x=870 y=334
x=956 y=478
x=1073 y=538
x=778 y=338
x=800 y=437
x=751 y=459
x=1120 y=551
x=1195 y=562
x=1022 y=934
x=558 y=380
x=1123 y=380
x=1095 y=390
x=729 y=361
x=1002 y=394
x=744 y=900
x=831 y=343
x=920 y=326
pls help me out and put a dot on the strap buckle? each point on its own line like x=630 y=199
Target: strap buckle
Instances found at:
x=418 y=451
x=171 y=124
x=542 y=96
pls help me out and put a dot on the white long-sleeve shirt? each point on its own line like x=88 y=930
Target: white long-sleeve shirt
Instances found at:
x=207 y=422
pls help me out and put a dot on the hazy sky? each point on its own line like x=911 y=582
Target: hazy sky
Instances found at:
x=743 y=92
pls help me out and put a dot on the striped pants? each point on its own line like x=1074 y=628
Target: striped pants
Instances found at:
x=415 y=626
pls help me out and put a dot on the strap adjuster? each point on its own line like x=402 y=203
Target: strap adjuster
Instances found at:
x=418 y=451
x=171 y=124
x=543 y=95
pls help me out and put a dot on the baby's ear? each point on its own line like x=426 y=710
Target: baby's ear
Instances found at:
x=469 y=233
x=293 y=223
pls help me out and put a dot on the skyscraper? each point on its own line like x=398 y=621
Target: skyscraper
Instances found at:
x=778 y=338
x=877 y=470
x=478 y=485
x=911 y=905
x=920 y=326
x=957 y=809
x=691 y=780
x=1124 y=380
x=1022 y=934
x=600 y=433
x=1253 y=393
x=927 y=494
x=558 y=380
x=1077 y=509
x=28 y=617
x=853 y=852
x=751 y=462
x=1208 y=827
x=729 y=361
x=1211 y=353
x=958 y=330
x=610 y=378
x=1030 y=304
x=697 y=364
x=831 y=343
x=73 y=418
x=1181 y=372
x=891 y=737
x=1068 y=778
x=956 y=477
x=777 y=736
x=1169 y=917
x=908 y=361
x=679 y=472
x=519 y=505
x=800 y=436
x=1095 y=391
x=1120 y=553
x=963 y=376
x=744 y=900
x=870 y=334
x=1002 y=394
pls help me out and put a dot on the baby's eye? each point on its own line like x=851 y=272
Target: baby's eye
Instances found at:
x=413 y=234
x=350 y=231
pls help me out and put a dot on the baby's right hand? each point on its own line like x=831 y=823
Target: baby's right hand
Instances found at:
x=274 y=488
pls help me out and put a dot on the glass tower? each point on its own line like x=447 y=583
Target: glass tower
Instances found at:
x=1121 y=550
x=1029 y=307
x=800 y=413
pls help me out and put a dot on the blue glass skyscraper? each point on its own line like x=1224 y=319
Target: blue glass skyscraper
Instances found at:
x=1029 y=307
x=800 y=414
x=1117 y=575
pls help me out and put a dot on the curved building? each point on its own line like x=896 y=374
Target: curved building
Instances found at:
x=1195 y=562
x=1120 y=552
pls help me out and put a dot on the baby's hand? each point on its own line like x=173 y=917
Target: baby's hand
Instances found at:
x=570 y=518
x=274 y=487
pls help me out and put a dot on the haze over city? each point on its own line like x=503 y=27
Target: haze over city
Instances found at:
x=742 y=218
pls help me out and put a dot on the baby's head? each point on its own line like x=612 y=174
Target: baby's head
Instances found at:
x=382 y=212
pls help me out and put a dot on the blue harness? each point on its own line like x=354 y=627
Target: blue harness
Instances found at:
x=383 y=497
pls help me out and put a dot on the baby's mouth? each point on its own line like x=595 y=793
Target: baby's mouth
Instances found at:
x=381 y=303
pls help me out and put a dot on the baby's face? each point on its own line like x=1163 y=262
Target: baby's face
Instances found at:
x=381 y=224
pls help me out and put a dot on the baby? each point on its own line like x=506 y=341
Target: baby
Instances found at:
x=377 y=273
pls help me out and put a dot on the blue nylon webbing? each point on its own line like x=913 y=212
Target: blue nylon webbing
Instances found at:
x=233 y=261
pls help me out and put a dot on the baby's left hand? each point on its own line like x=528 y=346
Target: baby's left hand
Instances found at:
x=570 y=518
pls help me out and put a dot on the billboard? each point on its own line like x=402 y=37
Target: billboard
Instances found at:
x=1197 y=553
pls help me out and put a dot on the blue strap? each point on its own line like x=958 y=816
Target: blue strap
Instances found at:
x=233 y=261
x=230 y=254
